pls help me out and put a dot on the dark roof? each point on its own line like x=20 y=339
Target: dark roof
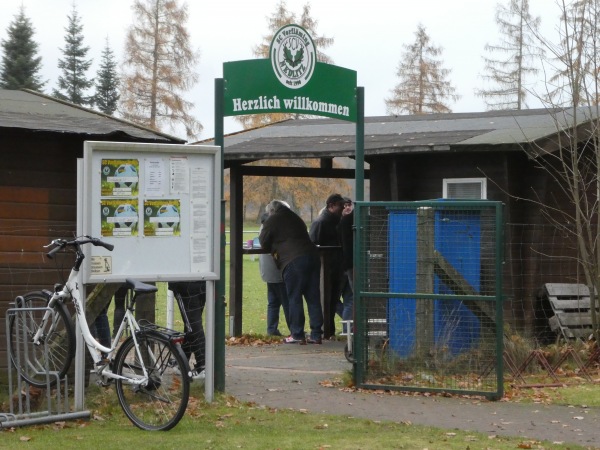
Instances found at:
x=318 y=138
x=22 y=109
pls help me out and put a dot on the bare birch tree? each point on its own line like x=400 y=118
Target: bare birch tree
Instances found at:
x=159 y=67
x=517 y=51
x=575 y=58
x=575 y=167
x=424 y=87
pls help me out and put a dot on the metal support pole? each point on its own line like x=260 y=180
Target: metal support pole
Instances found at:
x=220 y=291
x=360 y=144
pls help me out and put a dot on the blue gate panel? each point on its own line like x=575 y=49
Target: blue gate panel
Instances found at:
x=458 y=240
x=403 y=276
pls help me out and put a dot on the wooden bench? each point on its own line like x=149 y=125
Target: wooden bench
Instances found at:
x=571 y=306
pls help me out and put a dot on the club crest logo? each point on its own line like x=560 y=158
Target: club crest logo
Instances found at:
x=293 y=56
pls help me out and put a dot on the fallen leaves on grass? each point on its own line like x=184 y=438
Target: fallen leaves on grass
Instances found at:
x=529 y=444
x=59 y=425
x=253 y=340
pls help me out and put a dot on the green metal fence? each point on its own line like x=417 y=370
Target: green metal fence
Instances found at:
x=428 y=301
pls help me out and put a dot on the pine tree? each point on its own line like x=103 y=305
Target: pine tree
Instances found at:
x=20 y=68
x=508 y=73
x=281 y=17
x=73 y=84
x=423 y=87
x=159 y=67
x=107 y=83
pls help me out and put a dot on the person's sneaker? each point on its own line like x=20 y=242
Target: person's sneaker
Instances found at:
x=198 y=374
x=292 y=340
x=317 y=341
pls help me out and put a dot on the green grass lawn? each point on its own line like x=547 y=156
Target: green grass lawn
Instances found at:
x=229 y=424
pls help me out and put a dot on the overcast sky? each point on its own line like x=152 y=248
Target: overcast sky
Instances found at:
x=369 y=37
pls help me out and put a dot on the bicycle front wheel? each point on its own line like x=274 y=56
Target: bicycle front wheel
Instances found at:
x=160 y=403
x=44 y=362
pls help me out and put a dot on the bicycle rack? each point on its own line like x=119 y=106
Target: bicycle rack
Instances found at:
x=21 y=408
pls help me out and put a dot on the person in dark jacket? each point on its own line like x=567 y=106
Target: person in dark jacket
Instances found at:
x=285 y=237
x=323 y=232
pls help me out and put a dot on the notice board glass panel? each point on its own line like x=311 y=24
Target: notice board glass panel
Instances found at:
x=158 y=204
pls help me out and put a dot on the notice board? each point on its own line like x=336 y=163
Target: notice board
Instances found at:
x=158 y=204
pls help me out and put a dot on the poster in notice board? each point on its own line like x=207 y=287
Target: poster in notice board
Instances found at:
x=158 y=204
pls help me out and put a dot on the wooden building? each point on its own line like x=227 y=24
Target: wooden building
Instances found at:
x=41 y=139
x=492 y=155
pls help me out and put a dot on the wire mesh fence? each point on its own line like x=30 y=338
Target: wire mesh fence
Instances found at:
x=428 y=284
x=536 y=254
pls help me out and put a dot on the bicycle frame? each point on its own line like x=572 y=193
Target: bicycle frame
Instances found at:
x=150 y=371
x=70 y=291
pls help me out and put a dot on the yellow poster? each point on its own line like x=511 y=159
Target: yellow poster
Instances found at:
x=119 y=217
x=162 y=217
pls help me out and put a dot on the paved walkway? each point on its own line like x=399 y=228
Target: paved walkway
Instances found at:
x=289 y=376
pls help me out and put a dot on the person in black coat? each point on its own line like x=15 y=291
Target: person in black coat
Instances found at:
x=285 y=237
x=323 y=232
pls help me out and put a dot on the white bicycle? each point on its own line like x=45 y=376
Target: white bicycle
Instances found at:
x=149 y=368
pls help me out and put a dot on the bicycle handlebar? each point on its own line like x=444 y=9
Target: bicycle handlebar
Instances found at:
x=60 y=244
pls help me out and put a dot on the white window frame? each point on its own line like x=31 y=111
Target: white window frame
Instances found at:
x=482 y=181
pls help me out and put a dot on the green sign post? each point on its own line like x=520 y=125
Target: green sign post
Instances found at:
x=291 y=80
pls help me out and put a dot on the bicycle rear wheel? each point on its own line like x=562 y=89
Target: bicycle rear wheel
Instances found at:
x=43 y=363
x=161 y=403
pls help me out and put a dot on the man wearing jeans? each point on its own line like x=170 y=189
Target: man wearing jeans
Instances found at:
x=285 y=237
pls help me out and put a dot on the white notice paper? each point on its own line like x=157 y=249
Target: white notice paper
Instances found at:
x=179 y=175
x=155 y=179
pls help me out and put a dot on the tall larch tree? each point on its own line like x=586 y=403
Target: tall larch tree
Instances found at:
x=20 y=67
x=512 y=60
x=159 y=67
x=73 y=82
x=424 y=87
x=281 y=17
x=106 y=96
x=300 y=193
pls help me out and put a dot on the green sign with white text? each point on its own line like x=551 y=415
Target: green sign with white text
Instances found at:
x=290 y=81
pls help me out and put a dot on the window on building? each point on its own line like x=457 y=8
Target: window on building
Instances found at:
x=465 y=188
